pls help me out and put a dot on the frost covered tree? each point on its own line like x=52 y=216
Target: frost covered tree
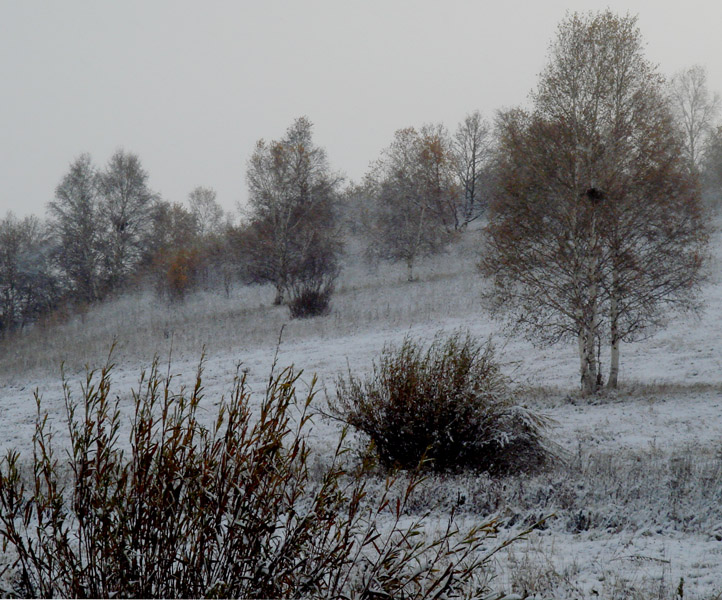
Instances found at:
x=472 y=150
x=75 y=223
x=416 y=196
x=595 y=230
x=209 y=215
x=291 y=238
x=172 y=254
x=712 y=170
x=695 y=109
x=125 y=209
x=27 y=287
x=434 y=176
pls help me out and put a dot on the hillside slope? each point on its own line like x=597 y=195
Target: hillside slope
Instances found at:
x=638 y=502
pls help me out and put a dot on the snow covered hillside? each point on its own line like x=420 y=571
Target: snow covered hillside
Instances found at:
x=637 y=504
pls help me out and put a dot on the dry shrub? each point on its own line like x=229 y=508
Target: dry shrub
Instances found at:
x=309 y=302
x=230 y=510
x=312 y=286
x=448 y=403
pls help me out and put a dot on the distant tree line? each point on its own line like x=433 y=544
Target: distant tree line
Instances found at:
x=593 y=204
x=105 y=231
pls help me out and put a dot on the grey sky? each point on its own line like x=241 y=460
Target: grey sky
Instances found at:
x=190 y=86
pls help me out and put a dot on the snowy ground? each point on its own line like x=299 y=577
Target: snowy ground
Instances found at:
x=638 y=503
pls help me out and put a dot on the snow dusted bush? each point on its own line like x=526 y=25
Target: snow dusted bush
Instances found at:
x=232 y=510
x=311 y=298
x=449 y=404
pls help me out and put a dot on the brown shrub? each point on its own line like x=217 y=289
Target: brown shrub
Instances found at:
x=448 y=403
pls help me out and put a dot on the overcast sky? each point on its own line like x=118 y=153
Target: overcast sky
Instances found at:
x=190 y=86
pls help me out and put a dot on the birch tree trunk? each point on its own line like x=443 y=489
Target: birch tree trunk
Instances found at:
x=587 y=360
x=614 y=333
x=614 y=364
x=409 y=269
x=413 y=251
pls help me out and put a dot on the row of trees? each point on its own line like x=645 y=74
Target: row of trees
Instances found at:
x=596 y=228
x=425 y=186
x=106 y=229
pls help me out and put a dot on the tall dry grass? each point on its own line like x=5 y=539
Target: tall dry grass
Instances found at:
x=142 y=325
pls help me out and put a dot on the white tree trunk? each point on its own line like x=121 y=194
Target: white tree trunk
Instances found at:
x=590 y=368
x=614 y=365
x=587 y=361
x=615 y=341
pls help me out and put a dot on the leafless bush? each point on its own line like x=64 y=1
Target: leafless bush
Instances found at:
x=310 y=301
x=312 y=286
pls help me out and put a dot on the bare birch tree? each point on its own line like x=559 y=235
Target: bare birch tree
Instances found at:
x=417 y=197
x=125 y=207
x=209 y=215
x=75 y=222
x=291 y=233
x=597 y=225
x=27 y=287
x=695 y=109
x=472 y=150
